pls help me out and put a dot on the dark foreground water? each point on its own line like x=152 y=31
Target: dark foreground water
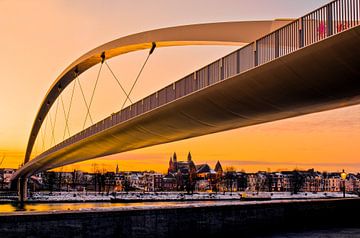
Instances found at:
x=280 y=231
x=328 y=233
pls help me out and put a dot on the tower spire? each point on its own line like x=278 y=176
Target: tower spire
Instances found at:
x=189 y=157
x=117 y=169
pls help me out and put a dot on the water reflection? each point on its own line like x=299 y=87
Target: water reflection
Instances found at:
x=11 y=207
x=40 y=207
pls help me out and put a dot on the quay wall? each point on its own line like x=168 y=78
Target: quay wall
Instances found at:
x=204 y=220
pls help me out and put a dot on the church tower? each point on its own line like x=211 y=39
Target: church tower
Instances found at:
x=189 y=158
x=175 y=165
x=174 y=157
x=218 y=168
x=117 y=169
x=171 y=166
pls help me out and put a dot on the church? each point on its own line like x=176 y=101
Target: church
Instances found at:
x=188 y=167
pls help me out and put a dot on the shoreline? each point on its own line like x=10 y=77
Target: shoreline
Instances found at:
x=137 y=197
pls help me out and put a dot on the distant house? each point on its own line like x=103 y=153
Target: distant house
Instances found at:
x=169 y=183
x=153 y=182
x=352 y=183
x=203 y=171
x=5 y=176
x=332 y=182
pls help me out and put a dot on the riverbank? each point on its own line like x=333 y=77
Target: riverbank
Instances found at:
x=73 y=197
x=185 y=219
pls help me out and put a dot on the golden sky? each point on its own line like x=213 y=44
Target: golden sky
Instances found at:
x=39 y=39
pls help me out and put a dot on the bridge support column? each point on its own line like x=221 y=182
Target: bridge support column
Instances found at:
x=22 y=189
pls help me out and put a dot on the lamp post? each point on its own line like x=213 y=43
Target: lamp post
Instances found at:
x=343 y=177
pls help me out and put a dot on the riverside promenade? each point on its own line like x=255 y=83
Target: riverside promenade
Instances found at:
x=249 y=219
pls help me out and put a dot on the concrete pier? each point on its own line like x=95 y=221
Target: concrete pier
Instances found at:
x=22 y=189
x=198 y=220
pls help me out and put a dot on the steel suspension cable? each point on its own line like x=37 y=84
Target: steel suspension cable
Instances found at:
x=44 y=134
x=52 y=124
x=56 y=112
x=138 y=76
x=42 y=137
x=92 y=95
x=35 y=149
x=52 y=134
x=83 y=95
x=68 y=113
x=64 y=111
x=117 y=80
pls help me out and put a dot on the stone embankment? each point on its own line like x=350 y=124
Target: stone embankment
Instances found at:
x=199 y=220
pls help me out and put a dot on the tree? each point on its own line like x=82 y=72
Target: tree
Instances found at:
x=229 y=179
x=241 y=181
x=230 y=169
x=60 y=178
x=269 y=182
x=126 y=184
x=49 y=181
x=110 y=182
x=2 y=180
x=188 y=184
x=298 y=181
x=95 y=174
x=75 y=179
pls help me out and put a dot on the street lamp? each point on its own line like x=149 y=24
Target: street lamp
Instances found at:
x=343 y=177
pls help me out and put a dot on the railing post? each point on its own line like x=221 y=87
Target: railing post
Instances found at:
x=277 y=44
x=238 y=61
x=329 y=19
x=221 y=68
x=208 y=75
x=255 y=47
x=301 y=33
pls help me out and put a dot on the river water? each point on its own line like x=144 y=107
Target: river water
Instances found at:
x=86 y=206
x=42 y=207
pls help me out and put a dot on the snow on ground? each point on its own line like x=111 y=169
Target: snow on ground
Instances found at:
x=68 y=196
x=176 y=196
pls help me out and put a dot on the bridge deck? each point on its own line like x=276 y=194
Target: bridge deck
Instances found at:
x=307 y=66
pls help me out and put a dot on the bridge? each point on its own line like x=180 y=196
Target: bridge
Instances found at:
x=285 y=68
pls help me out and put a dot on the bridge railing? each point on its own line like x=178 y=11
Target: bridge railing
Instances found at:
x=317 y=25
x=324 y=22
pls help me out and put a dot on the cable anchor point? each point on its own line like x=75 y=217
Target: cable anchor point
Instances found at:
x=102 y=57
x=152 y=48
x=76 y=72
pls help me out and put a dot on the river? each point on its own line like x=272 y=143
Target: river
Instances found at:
x=88 y=206
x=43 y=207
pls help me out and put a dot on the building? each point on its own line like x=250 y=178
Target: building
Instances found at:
x=185 y=167
x=169 y=183
x=5 y=175
x=153 y=182
x=332 y=182
x=190 y=177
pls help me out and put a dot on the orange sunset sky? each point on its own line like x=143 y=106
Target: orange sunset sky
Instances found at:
x=39 y=39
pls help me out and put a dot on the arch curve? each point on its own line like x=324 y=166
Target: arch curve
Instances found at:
x=222 y=33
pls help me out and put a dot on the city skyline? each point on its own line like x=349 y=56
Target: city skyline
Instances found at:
x=162 y=118
x=325 y=139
